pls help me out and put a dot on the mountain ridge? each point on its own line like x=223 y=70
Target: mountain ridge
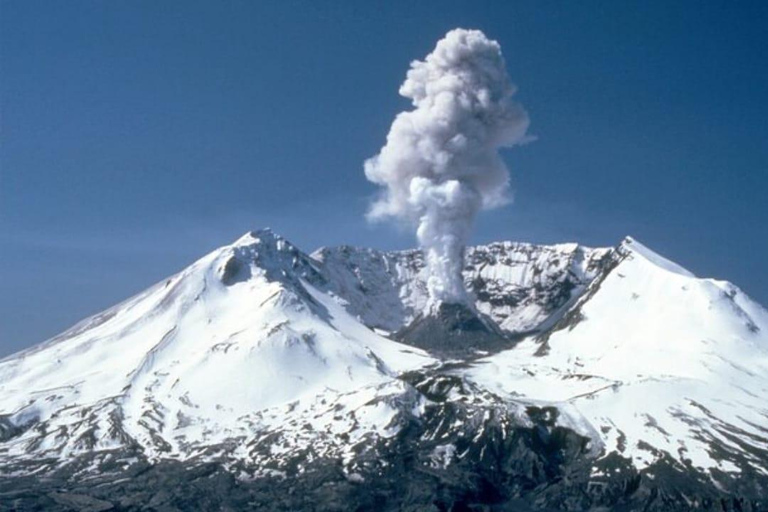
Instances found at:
x=272 y=363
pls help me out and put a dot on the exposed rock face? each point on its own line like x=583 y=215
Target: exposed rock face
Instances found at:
x=453 y=330
x=520 y=287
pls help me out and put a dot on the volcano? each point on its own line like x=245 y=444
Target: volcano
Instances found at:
x=265 y=378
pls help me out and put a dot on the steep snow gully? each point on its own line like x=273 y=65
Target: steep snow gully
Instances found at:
x=579 y=378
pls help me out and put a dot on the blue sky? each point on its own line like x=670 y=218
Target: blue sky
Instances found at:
x=137 y=136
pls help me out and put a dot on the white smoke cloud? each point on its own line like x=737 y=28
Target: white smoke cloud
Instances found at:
x=441 y=165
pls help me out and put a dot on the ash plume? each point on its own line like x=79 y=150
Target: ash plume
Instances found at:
x=441 y=165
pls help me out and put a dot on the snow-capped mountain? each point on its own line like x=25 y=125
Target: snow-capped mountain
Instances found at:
x=618 y=380
x=196 y=359
x=660 y=363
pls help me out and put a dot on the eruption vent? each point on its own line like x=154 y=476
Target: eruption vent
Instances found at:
x=440 y=165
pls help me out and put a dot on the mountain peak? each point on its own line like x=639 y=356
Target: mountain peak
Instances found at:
x=266 y=240
x=263 y=252
x=259 y=236
x=631 y=246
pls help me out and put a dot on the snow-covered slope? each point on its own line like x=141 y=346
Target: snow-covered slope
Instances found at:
x=660 y=363
x=189 y=362
x=273 y=361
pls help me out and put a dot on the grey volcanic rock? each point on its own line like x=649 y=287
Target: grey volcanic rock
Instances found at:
x=469 y=450
x=451 y=330
x=519 y=286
